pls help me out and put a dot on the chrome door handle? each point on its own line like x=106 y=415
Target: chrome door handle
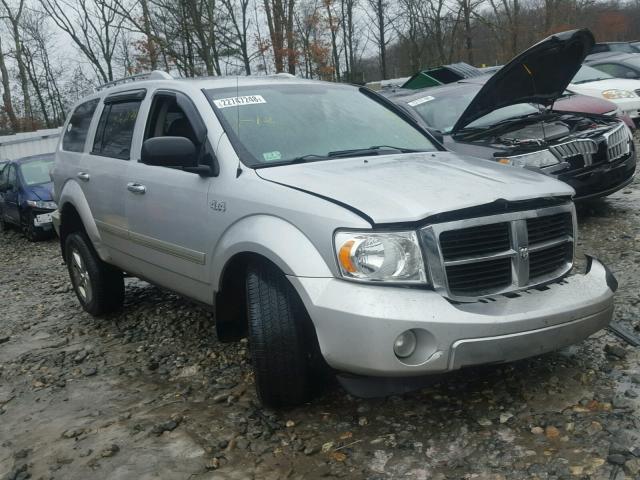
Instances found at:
x=84 y=176
x=136 y=188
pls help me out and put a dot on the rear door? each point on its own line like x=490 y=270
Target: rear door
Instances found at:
x=170 y=225
x=106 y=165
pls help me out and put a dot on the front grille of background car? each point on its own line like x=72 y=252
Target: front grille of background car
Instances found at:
x=578 y=153
x=503 y=253
x=617 y=142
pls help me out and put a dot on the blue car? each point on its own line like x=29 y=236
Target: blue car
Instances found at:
x=26 y=196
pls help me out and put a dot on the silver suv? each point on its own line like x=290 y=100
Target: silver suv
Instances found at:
x=321 y=222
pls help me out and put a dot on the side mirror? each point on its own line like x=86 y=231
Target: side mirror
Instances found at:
x=169 y=152
x=437 y=134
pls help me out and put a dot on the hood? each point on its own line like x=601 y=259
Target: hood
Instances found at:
x=43 y=191
x=540 y=74
x=411 y=187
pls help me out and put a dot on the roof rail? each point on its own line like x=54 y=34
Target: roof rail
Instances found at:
x=155 y=75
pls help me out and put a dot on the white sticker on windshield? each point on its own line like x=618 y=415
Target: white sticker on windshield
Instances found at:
x=421 y=100
x=238 y=101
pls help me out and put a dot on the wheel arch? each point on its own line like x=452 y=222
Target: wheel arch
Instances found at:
x=75 y=215
x=259 y=238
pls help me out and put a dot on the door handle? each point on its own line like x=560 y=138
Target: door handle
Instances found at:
x=136 y=188
x=84 y=176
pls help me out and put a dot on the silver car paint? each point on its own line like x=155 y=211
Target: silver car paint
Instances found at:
x=178 y=235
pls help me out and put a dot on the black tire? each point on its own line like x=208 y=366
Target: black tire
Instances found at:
x=98 y=286
x=282 y=341
x=3 y=224
x=29 y=230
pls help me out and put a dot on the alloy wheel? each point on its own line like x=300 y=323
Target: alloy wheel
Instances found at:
x=81 y=280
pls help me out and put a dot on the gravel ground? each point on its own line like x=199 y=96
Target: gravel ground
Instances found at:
x=150 y=392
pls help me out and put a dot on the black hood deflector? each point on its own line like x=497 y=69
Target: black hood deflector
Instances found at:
x=540 y=75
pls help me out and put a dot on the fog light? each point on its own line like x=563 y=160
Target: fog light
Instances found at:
x=405 y=344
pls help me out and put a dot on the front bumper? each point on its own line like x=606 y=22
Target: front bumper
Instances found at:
x=357 y=324
x=602 y=179
x=55 y=219
x=629 y=106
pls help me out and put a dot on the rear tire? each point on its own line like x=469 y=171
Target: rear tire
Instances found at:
x=281 y=337
x=98 y=286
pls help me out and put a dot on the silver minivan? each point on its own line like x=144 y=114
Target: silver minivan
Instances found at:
x=323 y=223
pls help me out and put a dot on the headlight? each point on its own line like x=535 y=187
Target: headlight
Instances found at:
x=539 y=159
x=615 y=93
x=380 y=257
x=41 y=204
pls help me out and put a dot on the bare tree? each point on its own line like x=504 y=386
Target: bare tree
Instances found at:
x=280 y=20
x=94 y=27
x=237 y=35
x=379 y=15
x=6 y=92
x=13 y=15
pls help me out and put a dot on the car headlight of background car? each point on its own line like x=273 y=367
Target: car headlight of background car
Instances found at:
x=41 y=204
x=393 y=257
x=616 y=93
x=539 y=159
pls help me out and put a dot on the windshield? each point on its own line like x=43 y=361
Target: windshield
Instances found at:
x=275 y=124
x=589 y=74
x=442 y=113
x=36 y=171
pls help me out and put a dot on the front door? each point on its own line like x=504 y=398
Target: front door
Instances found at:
x=167 y=209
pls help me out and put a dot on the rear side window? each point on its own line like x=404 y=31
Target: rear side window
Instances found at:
x=78 y=127
x=115 y=129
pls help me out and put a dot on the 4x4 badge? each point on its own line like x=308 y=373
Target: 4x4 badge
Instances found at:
x=218 y=206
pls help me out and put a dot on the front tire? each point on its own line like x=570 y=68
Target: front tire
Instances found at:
x=283 y=346
x=29 y=230
x=98 y=286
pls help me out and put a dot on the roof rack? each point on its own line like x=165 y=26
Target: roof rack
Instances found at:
x=155 y=75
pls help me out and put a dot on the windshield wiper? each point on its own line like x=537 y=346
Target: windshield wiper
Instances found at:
x=307 y=158
x=374 y=150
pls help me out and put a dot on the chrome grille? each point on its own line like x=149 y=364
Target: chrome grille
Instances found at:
x=617 y=142
x=583 y=147
x=472 y=258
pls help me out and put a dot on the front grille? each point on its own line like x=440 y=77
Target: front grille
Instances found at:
x=548 y=260
x=472 y=241
x=500 y=253
x=638 y=92
x=579 y=152
x=491 y=274
x=549 y=227
x=617 y=142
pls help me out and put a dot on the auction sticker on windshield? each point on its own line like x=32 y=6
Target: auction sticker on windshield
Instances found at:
x=421 y=100
x=239 y=101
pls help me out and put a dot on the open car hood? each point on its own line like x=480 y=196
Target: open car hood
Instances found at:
x=540 y=75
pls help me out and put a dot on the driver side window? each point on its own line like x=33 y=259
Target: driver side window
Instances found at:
x=167 y=119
